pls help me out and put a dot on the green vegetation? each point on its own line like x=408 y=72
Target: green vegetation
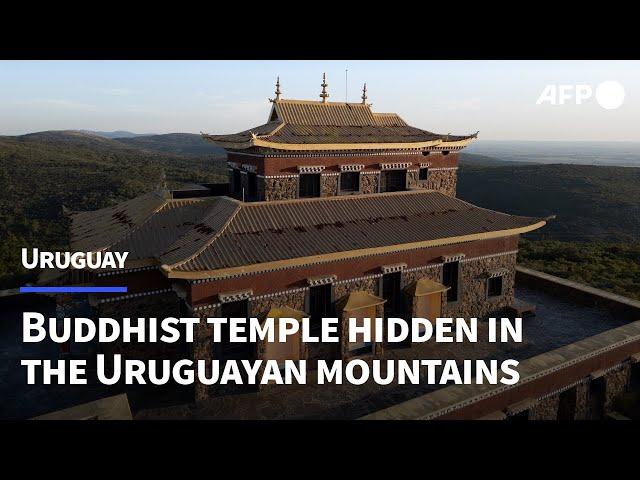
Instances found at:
x=43 y=174
x=610 y=266
x=591 y=203
x=595 y=237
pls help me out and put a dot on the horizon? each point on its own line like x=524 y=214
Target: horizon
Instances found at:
x=498 y=98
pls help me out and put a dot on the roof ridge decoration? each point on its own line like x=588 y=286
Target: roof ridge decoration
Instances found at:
x=312 y=125
x=324 y=95
x=277 y=92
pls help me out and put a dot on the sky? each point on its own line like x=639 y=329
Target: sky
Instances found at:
x=496 y=98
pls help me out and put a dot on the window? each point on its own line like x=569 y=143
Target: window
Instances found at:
x=450 y=279
x=424 y=174
x=350 y=182
x=237 y=181
x=320 y=305
x=309 y=185
x=392 y=293
x=252 y=181
x=494 y=286
x=394 y=180
x=567 y=405
x=234 y=350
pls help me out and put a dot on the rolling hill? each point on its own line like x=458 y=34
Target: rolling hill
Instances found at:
x=43 y=172
x=592 y=203
x=595 y=237
x=174 y=143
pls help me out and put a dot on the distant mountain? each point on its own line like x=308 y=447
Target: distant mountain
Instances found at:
x=116 y=134
x=42 y=172
x=174 y=143
x=592 y=203
x=622 y=154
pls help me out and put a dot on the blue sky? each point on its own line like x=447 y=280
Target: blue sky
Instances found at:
x=498 y=98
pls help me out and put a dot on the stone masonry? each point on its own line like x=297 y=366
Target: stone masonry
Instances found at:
x=443 y=181
x=329 y=185
x=545 y=409
x=284 y=188
x=369 y=182
x=472 y=291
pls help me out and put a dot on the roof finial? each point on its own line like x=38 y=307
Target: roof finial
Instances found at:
x=324 y=95
x=364 y=93
x=278 y=92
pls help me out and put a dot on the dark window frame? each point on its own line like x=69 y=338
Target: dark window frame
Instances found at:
x=399 y=172
x=391 y=291
x=492 y=283
x=355 y=179
x=453 y=294
x=423 y=174
x=320 y=305
x=237 y=180
x=252 y=185
x=305 y=187
x=235 y=350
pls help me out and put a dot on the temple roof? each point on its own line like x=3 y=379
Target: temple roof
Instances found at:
x=310 y=125
x=220 y=236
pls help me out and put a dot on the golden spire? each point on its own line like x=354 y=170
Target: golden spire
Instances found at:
x=324 y=95
x=278 y=92
x=364 y=94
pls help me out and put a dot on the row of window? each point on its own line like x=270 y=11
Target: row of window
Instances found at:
x=321 y=302
x=309 y=183
x=392 y=181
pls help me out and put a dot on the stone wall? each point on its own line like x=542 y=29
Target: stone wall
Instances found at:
x=582 y=401
x=615 y=384
x=472 y=290
x=443 y=181
x=329 y=185
x=280 y=188
x=545 y=409
x=159 y=306
x=370 y=285
x=204 y=349
x=261 y=306
x=369 y=182
x=412 y=179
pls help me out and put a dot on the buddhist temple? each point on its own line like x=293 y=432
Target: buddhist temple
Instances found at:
x=331 y=209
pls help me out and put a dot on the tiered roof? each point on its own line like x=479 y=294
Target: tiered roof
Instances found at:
x=220 y=236
x=303 y=125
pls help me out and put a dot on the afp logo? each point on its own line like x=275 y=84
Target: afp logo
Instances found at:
x=609 y=94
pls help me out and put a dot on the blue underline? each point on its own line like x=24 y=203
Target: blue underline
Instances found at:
x=73 y=289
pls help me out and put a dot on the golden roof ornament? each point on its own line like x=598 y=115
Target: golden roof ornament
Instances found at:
x=364 y=94
x=277 y=92
x=324 y=95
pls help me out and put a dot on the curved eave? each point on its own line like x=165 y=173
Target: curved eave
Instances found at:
x=261 y=142
x=316 y=259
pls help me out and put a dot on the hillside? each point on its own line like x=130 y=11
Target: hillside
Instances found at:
x=42 y=172
x=595 y=238
x=591 y=202
x=174 y=143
